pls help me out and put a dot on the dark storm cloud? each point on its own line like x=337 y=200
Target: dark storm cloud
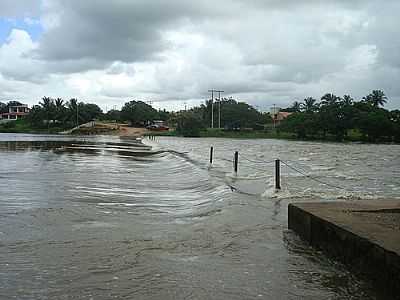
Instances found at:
x=101 y=32
x=114 y=31
x=178 y=49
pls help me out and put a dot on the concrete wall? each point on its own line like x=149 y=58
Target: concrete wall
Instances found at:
x=361 y=254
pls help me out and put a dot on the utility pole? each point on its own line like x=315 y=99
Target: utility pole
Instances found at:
x=77 y=113
x=274 y=116
x=212 y=107
x=185 y=105
x=219 y=108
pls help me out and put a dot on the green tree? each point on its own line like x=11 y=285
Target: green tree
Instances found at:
x=3 y=108
x=375 y=124
x=347 y=100
x=232 y=112
x=48 y=108
x=331 y=116
x=73 y=112
x=302 y=124
x=309 y=105
x=329 y=99
x=189 y=124
x=296 y=106
x=163 y=115
x=395 y=120
x=36 y=116
x=59 y=110
x=138 y=112
x=113 y=115
x=89 y=112
x=376 y=98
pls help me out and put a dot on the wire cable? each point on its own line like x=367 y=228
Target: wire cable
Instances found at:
x=310 y=177
x=235 y=189
x=225 y=159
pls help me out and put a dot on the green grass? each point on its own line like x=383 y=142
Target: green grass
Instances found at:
x=22 y=126
x=244 y=134
x=219 y=133
x=352 y=136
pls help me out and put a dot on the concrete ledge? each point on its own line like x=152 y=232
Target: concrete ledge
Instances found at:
x=365 y=235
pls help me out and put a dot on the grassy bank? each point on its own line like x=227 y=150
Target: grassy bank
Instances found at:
x=22 y=126
x=219 y=133
x=352 y=135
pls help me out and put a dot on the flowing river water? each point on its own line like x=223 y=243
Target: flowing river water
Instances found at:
x=113 y=218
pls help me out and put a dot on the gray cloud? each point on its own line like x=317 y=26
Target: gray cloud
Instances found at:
x=122 y=31
x=19 y=8
x=266 y=51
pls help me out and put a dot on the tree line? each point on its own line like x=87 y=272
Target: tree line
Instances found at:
x=64 y=114
x=333 y=117
x=342 y=118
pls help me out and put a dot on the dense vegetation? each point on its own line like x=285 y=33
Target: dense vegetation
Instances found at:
x=343 y=118
x=331 y=118
x=53 y=115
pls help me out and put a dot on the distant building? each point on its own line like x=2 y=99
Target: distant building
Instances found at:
x=280 y=116
x=15 y=112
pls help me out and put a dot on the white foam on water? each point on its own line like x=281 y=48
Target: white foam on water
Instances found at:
x=304 y=159
x=321 y=168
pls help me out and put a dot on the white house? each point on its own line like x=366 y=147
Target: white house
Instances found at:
x=15 y=112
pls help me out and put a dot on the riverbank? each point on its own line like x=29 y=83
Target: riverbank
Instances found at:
x=262 y=134
x=122 y=129
x=220 y=133
x=95 y=128
x=21 y=126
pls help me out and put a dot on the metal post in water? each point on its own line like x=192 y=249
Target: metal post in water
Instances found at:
x=211 y=154
x=277 y=174
x=235 y=161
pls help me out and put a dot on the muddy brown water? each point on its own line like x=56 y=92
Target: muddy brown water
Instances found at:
x=96 y=218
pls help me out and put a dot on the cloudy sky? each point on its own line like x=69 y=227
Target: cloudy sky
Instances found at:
x=170 y=52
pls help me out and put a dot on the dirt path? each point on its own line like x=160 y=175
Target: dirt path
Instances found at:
x=131 y=131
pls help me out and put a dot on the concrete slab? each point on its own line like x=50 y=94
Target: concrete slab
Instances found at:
x=363 y=234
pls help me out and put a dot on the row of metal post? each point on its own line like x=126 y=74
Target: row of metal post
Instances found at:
x=236 y=162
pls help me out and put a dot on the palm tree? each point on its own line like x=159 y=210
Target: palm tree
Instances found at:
x=73 y=108
x=309 y=105
x=47 y=106
x=46 y=103
x=296 y=106
x=59 y=103
x=329 y=99
x=376 y=98
x=347 y=100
